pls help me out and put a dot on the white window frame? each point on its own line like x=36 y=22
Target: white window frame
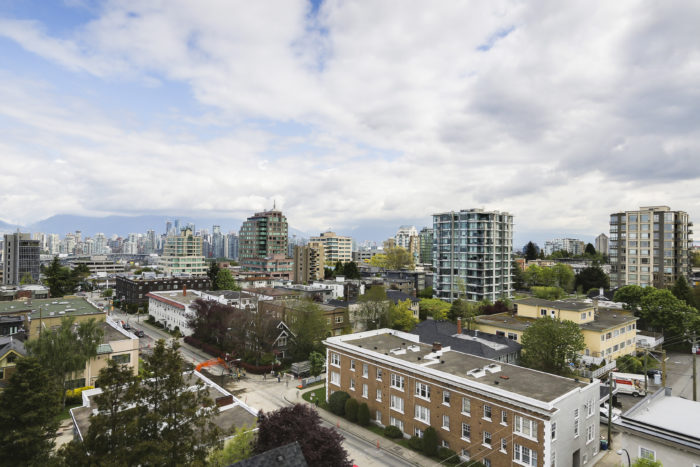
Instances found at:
x=398 y=382
x=365 y=391
x=483 y=439
x=590 y=433
x=422 y=414
x=554 y=431
x=468 y=403
x=646 y=455
x=335 y=359
x=525 y=427
x=352 y=384
x=352 y=364
x=469 y=432
x=335 y=378
x=519 y=454
x=393 y=421
x=379 y=374
x=490 y=410
x=446 y=422
x=422 y=391
x=379 y=395
x=504 y=417
x=365 y=370
x=446 y=398
x=396 y=404
x=504 y=445
x=576 y=424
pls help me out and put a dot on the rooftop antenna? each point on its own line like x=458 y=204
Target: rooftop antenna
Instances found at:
x=274 y=204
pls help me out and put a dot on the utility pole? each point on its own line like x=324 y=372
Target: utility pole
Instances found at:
x=695 y=371
x=610 y=414
x=646 y=377
x=663 y=368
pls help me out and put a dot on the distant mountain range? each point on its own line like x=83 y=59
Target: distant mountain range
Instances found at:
x=123 y=225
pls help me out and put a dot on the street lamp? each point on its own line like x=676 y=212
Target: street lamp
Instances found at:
x=619 y=453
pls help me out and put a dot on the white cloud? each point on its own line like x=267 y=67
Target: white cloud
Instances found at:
x=557 y=112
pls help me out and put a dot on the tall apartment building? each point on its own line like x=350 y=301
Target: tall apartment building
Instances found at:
x=572 y=246
x=426 y=245
x=403 y=236
x=495 y=413
x=182 y=254
x=337 y=248
x=472 y=254
x=309 y=261
x=262 y=236
x=232 y=242
x=601 y=244
x=20 y=258
x=651 y=246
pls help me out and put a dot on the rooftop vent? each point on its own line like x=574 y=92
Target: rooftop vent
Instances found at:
x=413 y=348
x=492 y=368
x=398 y=351
x=437 y=346
x=476 y=372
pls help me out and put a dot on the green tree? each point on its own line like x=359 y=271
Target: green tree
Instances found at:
x=379 y=260
x=550 y=344
x=434 y=307
x=401 y=316
x=682 y=291
x=316 y=361
x=426 y=293
x=373 y=307
x=107 y=293
x=363 y=414
x=327 y=273
x=430 y=442
x=548 y=293
x=58 y=279
x=399 y=258
x=236 y=449
x=351 y=407
x=65 y=351
x=592 y=277
x=696 y=259
x=336 y=402
x=530 y=251
x=338 y=269
x=590 y=249
x=661 y=310
x=213 y=273
x=350 y=270
x=309 y=327
x=26 y=279
x=28 y=409
x=465 y=310
x=78 y=275
x=631 y=295
x=518 y=276
x=562 y=276
x=641 y=462
x=225 y=281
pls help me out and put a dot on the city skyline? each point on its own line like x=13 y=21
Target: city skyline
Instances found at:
x=350 y=118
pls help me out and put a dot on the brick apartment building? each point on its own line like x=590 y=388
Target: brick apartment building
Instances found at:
x=495 y=413
x=135 y=289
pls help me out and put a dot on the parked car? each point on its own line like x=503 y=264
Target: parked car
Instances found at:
x=604 y=413
x=126 y=326
x=655 y=371
x=140 y=333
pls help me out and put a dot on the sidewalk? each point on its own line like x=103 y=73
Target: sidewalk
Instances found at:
x=381 y=442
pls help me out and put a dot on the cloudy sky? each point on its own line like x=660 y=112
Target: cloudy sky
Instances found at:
x=359 y=116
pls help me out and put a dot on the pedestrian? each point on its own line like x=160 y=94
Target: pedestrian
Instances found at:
x=264 y=376
x=286 y=383
x=278 y=377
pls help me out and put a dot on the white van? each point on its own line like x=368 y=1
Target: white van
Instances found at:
x=629 y=383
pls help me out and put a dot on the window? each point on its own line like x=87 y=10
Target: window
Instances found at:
x=487 y=439
x=446 y=397
x=352 y=365
x=365 y=391
x=335 y=359
x=365 y=370
x=504 y=445
x=487 y=463
x=466 y=431
x=335 y=378
x=397 y=423
x=379 y=374
x=524 y=455
x=396 y=403
x=589 y=434
x=418 y=432
x=446 y=422
x=554 y=431
x=379 y=395
x=122 y=359
x=525 y=427
x=576 y=421
x=543 y=312
x=445 y=444
x=422 y=391
x=378 y=416
x=422 y=413
x=645 y=453
x=464 y=454
x=397 y=382
x=504 y=417
x=487 y=412
x=512 y=336
x=466 y=406
x=338 y=319
x=352 y=384
x=589 y=405
x=583 y=315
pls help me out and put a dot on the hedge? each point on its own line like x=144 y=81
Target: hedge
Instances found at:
x=448 y=455
x=363 y=414
x=336 y=402
x=430 y=442
x=351 y=407
x=392 y=431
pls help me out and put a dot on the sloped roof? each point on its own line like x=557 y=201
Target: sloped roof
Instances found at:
x=289 y=455
x=479 y=344
x=8 y=344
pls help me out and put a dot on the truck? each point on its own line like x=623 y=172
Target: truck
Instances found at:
x=629 y=383
x=301 y=368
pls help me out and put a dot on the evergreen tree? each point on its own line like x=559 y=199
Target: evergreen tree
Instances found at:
x=213 y=273
x=58 y=279
x=225 y=281
x=592 y=277
x=309 y=327
x=374 y=306
x=531 y=251
x=590 y=250
x=350 y=270
x=682 y=291
x=28 y=409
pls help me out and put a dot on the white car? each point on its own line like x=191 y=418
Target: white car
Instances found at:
x=604 y=413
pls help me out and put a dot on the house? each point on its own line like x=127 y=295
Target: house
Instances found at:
x=10 y=325
x=490 y=346
x=118 y=345
x=233 y=413
x=11 y=349
x=608 y=334
x=661 y=427
x=495 y=413
x=173 y=309
x=336 y=317
x=396 y=296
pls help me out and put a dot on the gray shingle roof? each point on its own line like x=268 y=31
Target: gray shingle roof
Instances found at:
x=289 y=455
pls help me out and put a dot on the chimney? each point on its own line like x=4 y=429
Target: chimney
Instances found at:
x=437 y=346
x=184 y=290
x=459 y=325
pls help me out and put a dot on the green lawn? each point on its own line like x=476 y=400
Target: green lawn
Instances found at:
x=319 y=394
x=65 y=412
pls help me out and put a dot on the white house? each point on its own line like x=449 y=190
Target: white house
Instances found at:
x=173 y=308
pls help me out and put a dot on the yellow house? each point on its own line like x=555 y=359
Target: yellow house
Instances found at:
x=11 y=349
x=607 y=334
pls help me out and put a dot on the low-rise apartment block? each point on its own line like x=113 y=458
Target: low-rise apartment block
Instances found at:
x=495 y=413
x=608 y=334
x=336 y=247
x=173 y=309
x=135 y=289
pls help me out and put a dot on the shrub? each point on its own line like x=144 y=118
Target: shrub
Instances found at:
x=363 y=414
x=416 y=443
x=74 y=396
x=393 y=432
x=448 y=455
x=351 y=408
x=336 y=402
x=430 y=442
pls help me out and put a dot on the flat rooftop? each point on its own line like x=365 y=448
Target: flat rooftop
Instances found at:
x=505 y=320
x=608 y=319
x=558 y=304
x=533 y=384
x=177 y=296
x=667 y=412
x=58 y=306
